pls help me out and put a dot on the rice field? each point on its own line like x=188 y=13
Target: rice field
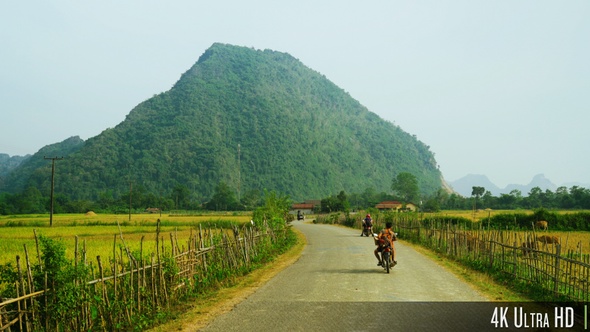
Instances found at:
x=483 y=214
x=98 y=232
x=575 y=241
x=476 y=215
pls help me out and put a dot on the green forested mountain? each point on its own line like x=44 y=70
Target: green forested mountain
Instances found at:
x=8 y=163
x=36 y=170
x=297 y=133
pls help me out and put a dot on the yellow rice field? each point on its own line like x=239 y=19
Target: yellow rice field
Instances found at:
x=570 y=241
x=97 y=232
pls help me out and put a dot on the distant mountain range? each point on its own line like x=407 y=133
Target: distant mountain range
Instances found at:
x=464 y=185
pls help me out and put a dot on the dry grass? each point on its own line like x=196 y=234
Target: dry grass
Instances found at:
x=576 y=242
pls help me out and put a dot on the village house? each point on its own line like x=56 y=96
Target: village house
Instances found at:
x=307 y=207
x=396 y=206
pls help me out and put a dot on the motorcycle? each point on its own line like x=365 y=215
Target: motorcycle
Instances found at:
x=387 y=258
x=367 y=230
x=386 y=254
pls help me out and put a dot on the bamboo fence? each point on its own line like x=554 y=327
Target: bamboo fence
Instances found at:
x=563 y=276
x=127 y=287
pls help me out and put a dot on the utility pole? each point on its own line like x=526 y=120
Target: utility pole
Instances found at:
x=52 y=185
x=239 y=175
x=130 y=190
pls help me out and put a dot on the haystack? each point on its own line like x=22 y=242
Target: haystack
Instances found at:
x=90 y=213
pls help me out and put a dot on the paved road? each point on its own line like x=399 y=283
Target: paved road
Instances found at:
x=336 y=284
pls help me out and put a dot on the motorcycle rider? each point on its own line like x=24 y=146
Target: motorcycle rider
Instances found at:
x=385 y=238
x=367 y=222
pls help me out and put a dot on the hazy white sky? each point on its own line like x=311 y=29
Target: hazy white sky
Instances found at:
x=500 y=88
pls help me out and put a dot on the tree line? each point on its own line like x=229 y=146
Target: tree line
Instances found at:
x=137 y=199
x=404 y=188
x=573 y=198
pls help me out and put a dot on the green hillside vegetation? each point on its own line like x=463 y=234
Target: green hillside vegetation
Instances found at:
x=8 y=163
x=297 y=132
x=36 y=171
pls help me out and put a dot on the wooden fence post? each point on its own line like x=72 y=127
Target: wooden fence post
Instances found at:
x=23 y=293
x=556 y=268
x=38 y=251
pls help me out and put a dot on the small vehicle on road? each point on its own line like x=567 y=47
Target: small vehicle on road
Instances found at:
x=367 y=230
x=386 y=252
x=387 y=258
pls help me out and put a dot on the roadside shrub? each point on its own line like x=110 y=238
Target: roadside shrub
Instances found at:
x=59 y=275
x=349 y=221
x=328 y=219
x=274 y=212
